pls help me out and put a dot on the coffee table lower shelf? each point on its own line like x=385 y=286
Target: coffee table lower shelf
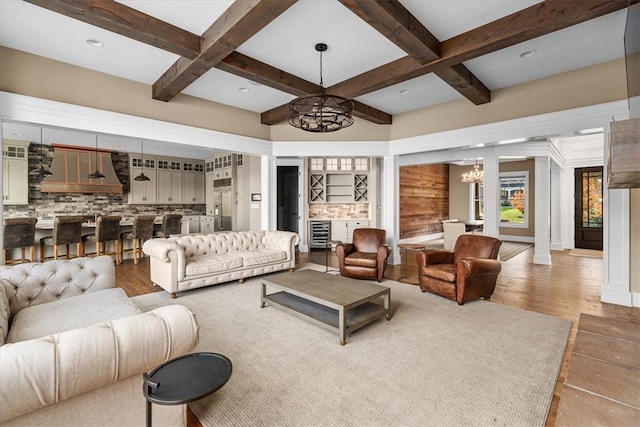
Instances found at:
x=328 y=317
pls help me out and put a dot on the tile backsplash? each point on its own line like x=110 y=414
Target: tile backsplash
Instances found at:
x=48 y=205
x=338 y=211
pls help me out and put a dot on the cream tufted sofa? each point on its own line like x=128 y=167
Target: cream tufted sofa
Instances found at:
x=77 y=347
x=196 y=260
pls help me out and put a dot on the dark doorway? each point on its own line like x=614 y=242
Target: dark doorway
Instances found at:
x=588 y=195
x=288 y=198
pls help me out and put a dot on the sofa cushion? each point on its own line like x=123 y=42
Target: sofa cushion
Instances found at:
x=4 y=315
x=262 y=256
x=71 y=313
x=212 y=263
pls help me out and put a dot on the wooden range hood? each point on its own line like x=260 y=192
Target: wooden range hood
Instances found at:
x=70 y=168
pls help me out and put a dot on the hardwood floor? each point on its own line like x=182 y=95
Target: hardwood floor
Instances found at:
x=568 y=287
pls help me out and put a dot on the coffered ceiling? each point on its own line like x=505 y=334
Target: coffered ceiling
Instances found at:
x=389 y=56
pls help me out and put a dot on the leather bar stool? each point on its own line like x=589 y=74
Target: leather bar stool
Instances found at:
x=67 y=230
x=107 y=230
x=171 y=224
x=19 y=233
x=142 y=230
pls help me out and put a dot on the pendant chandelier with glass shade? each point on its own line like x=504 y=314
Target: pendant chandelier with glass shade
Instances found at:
x=142 y=176
x=473 y=177
x=41 y=171
x=97 y=174
x=321 y=112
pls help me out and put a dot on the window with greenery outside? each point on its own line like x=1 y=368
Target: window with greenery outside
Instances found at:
x=513 y=198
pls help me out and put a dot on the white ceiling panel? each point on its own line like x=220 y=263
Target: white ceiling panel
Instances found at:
x=288 y=43
x=565 y=50
x=449 y=18
x=35 y=30
x=421 y=92
x=225 y=88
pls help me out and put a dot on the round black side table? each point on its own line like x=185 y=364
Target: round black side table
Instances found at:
x=185 y=379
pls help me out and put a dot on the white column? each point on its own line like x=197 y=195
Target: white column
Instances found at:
x=390 y=201
x=616 y=288
x=567 y=208
x=556 y=201
x=491 y=196
x=541 y=253
x=268 y=187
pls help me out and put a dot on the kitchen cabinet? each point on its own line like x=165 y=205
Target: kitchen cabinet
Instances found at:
x=15 y=173
x=338 y=180
x=193 y=223
x=208 y=193
x=207 y=224
x=193 y=183
x=343 y=229
x=169 y=187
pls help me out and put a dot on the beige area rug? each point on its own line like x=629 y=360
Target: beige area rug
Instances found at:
x=588 y=253
x=508 y=250
x=433 y=364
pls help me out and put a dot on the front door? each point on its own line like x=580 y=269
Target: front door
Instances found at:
x=588 y=195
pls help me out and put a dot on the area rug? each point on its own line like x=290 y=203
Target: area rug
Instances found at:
x=433 y=364
x=588 y=253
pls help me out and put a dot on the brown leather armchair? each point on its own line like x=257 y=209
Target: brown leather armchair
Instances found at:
x=469 y=272
x=366 y=257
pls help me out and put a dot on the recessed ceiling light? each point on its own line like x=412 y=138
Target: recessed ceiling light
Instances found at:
x=17 y=134
x=590 y=131
x=95 y=43
x=403 y=91
x=512 y=141
x=528 y=53
x=244 y=89
x=122 y=146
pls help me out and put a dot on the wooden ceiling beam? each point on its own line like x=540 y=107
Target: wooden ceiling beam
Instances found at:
x=391 y=19
x=396 y=23
x=527 y=24
x=118 y=18
x=242 y=20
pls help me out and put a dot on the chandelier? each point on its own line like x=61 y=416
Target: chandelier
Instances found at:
x=322 y=112
x=475 y=176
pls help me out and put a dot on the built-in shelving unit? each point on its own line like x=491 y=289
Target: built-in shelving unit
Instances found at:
x=338 y=180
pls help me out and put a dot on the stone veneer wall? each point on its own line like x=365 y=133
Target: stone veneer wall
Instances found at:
x=338 y=211
x=48 y=205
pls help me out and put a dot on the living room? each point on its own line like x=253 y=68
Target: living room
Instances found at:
x=525 y=119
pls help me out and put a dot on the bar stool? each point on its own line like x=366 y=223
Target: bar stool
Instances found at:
x=142 y=230
x=107 y=230
x=19 y=233
x=171 y=224
x=66 y=231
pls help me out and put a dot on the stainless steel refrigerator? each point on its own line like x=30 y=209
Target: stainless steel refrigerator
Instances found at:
x=223 y=204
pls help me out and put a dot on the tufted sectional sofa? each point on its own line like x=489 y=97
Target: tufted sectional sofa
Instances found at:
x=195 y=260
x=73 y=347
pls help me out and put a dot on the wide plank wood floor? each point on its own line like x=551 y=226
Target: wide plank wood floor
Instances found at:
x=567 y=288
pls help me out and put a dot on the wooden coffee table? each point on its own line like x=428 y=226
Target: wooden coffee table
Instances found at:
x=334 y=302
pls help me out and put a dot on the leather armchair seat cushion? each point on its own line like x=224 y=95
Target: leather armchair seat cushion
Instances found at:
x=446 y=272
x=71 y=313
x=361 y=259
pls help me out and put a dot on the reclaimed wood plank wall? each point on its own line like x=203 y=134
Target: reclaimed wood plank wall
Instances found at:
x=424 y=199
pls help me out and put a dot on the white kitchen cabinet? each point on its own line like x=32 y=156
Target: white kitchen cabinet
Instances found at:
x=206 y=224
x=169 y=188
x=208 y=193
x=142 y=192
x=193 y=222
x=193 y=184
x=339 y=230
x=15 y=173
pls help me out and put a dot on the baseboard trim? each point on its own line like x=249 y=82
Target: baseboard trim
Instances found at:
x=614 y=296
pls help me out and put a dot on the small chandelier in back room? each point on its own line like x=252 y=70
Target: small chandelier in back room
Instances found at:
x=321 y=112
x=475 y=176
